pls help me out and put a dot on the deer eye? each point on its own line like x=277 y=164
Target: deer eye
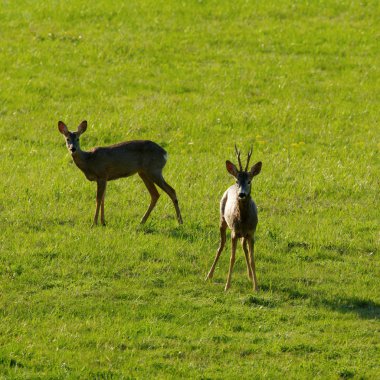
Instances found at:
x=249 y=182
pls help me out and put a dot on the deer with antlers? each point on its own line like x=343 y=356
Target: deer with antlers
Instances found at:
x=239 y=212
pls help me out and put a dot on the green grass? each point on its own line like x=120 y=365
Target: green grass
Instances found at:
x=299 y=81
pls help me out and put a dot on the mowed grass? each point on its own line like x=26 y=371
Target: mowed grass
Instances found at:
x=297 y=80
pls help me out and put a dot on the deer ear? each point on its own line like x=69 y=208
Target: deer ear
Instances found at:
x=255 y=169
x=82 y=127
x=231 y=168
x=62 y=128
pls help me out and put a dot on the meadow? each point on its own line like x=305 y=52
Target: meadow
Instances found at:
x=297 y=80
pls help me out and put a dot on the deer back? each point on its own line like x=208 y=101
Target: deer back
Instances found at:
x=122 y=160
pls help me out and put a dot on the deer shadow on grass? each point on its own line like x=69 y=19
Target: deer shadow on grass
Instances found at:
x=364 y=308
x=193 y=234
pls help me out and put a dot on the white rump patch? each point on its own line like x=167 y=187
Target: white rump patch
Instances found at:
x=166 y=156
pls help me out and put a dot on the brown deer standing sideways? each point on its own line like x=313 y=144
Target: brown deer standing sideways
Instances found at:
x=104 y=164
x=239 y=212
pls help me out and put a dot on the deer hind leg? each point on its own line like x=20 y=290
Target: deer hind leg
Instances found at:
x=251 y=247
x=223 y=227
x=100 y=194
x=247 y=259
x=154 y=194
x=232 y=261
x=158 y=179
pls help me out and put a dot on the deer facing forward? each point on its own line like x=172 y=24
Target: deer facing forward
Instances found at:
x=239 y=212
x=104 y=164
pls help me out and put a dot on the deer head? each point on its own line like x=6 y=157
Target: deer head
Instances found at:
x=72 y=138
x=243 y=177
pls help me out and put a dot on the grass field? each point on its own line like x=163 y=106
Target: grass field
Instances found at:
x=299 y=81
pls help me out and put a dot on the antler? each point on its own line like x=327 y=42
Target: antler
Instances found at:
x=238 y=157
x=249 y=157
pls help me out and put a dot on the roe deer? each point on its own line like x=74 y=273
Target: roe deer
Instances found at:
x=239 y=212
x=104 y=164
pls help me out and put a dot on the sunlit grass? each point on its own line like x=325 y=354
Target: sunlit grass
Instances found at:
x=298 y=81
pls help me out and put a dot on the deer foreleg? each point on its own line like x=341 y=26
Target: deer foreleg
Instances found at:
x=232 y=261
x=251 y=247
x=247 y=260
x=102 y=218
x=101 y=188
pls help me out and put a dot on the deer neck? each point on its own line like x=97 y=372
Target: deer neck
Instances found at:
x=243 y=206
x=80 y=158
